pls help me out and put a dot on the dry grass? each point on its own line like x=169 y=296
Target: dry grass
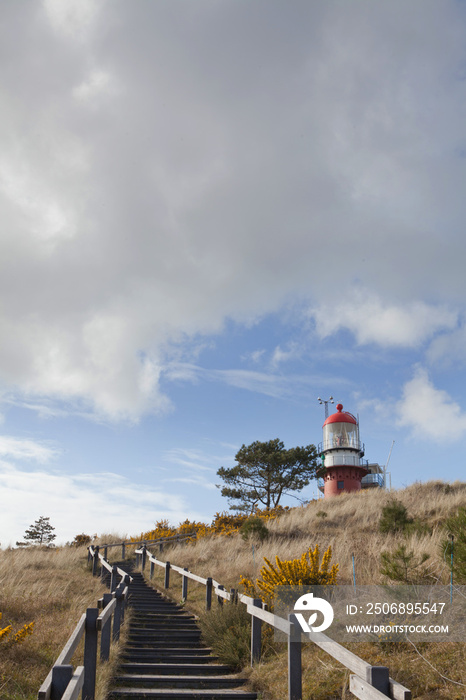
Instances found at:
x=52 y=587
x=350 y=526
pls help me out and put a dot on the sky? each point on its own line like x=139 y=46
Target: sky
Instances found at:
x=213 y=212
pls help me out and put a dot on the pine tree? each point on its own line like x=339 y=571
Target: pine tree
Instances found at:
x=40 y=534
x=266 y=471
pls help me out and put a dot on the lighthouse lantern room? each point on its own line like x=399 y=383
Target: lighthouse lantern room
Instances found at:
x=342 y=453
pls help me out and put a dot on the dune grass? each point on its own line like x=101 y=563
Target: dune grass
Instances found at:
x=350 y=526
x=52 y=588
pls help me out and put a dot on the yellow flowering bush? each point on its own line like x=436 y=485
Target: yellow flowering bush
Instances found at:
x=223 y=524
x=305 y=571
x=19 y=636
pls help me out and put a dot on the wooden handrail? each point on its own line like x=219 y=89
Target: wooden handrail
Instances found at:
x=360 y=683
x=61 y=682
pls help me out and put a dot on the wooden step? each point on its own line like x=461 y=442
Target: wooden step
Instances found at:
x=183 y=668
x=182 y=693
x=175 y=681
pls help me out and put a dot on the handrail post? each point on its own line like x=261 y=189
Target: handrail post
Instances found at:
x=219 y=598
x=208 y=593
x=233 y=596
x=105 y=634
x=95 y=560
x=123 y=550
x=90 y=653
x=118 y=615
x=113 y=578
x=61 y=676
x=256 y=634
x=143 y=563
x=160 y=547
x=167 y=575
x=184 y=586
x=379 y=678
x=105 y=552
x=152 y=566
x=295 y=682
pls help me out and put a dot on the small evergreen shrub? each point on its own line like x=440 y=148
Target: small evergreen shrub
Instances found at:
x=254 y=527
x=394 y=517
x=456 y=526
x=403 y=565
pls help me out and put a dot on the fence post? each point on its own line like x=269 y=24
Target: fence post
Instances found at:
x=295 y=683
x=184 y=585
x=160 y=547
x=90 y=653
x=118 y=614
x=123 y=550
x=152 y=565
x=105 y=552
x=95 y=561
x=378 y=677
x=208 y=593
x=233 y=596
x=103 y=570
x=167 y=575
x=105 y=633
x=256 y=634
x=61 y=676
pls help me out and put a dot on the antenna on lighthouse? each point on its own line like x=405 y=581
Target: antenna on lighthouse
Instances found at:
x=385 y=469
x=326 y=403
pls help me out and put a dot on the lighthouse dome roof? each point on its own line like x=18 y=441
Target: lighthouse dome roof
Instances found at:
x=341 y=416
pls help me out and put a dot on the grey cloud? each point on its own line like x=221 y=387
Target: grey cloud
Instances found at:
x=235 y=155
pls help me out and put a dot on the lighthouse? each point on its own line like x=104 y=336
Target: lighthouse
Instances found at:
x=342 y=454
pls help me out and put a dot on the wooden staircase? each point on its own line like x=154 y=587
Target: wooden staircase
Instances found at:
x=164 y=656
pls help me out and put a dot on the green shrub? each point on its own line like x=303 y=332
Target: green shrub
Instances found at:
x=403 y=565
x=394 y=517
x=321 y=514
x=227 y=629
x=456 y=526
x=254 y=527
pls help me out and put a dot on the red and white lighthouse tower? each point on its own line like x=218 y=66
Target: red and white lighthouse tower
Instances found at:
x=342 y=454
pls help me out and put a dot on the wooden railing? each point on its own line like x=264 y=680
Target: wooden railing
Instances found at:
x=64 y=683
x=161 y=541
x=367 y=682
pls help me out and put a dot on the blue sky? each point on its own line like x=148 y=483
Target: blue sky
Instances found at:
x=213 y=213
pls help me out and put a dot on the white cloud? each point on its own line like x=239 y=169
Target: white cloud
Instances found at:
x=20 y=448
x=448 y=348
x=98 y=84
x=372 y=320
x=89 y=503
x=429 y=412
x=281 y=355
x=261 y=382
x=73 y=18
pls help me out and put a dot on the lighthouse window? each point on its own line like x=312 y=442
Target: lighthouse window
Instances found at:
x=340 y=484
x=340 y=435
